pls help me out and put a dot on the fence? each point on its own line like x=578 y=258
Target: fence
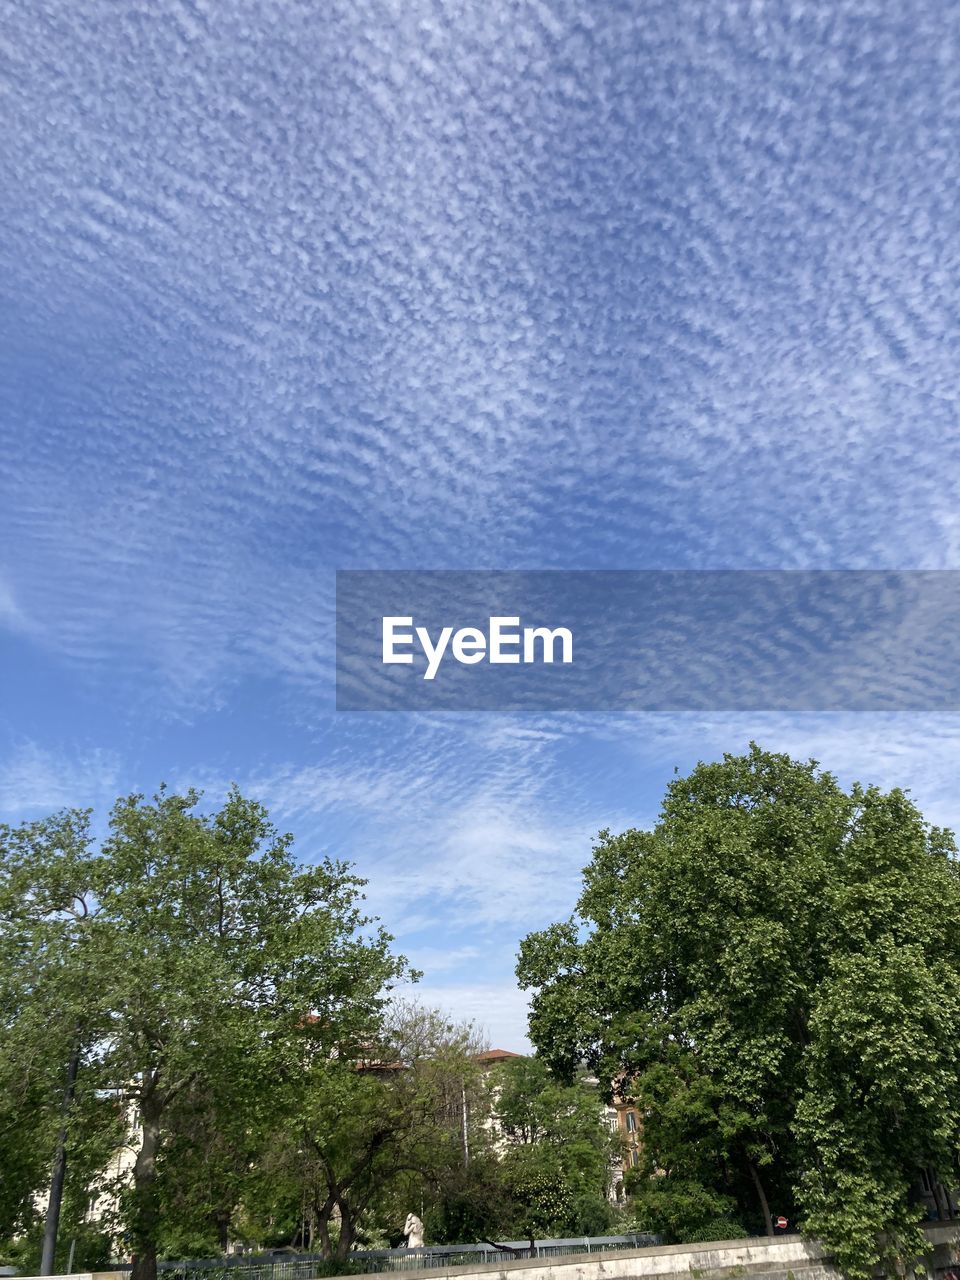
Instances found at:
x=307 y=1266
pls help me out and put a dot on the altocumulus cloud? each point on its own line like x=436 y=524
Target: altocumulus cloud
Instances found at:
x=604 y=286
x=541 y=284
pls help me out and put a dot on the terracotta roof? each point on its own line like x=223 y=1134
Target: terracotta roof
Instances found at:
x=496 y=1055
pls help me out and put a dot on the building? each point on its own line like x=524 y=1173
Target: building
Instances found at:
x=627 y=1124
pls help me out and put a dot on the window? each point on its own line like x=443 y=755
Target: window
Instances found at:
x=631 y=1122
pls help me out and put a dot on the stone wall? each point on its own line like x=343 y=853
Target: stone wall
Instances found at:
x=787 y=1257
x=766 y=1259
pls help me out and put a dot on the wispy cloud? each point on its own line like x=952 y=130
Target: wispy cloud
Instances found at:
x=12 y=617
x=918 y=753
x=35 y=781
x=499 y=1010
x=502 y=285
x=523 y=304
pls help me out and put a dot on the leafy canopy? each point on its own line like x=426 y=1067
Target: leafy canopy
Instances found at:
x=193 y=960
x=773 y=972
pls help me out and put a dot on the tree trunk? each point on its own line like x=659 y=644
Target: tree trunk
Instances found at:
x=59 y=1171
x=762 y=1197
x=347 y=1234
x=466 y=1125
x=222 y=1221
x=323 y=1231
x=321 y=1217
x=146 y=1207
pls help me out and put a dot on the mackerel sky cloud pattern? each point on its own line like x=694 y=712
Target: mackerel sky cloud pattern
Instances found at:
x=286 y=288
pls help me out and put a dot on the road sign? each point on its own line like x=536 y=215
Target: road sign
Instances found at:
x=780 y=1223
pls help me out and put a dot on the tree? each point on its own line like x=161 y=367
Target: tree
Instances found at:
x=29 y=1094
x=563 y=1129
x=48 y=1023
x=519 y=1194
x=199 y=957
x=361 y=1123
x=787 y=952
x=541 y=1160
x=206 y=1166
x=683 y=1187
x=536 y=1199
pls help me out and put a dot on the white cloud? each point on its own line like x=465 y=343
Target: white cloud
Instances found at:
x=35 y=781
x=515 y=308
x=451 y=820
x=435 y=960
x=271 y=313
x=12 y=616
x=916 y=752
x=498 y=1009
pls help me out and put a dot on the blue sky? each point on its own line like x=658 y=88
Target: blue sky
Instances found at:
x=288 y=288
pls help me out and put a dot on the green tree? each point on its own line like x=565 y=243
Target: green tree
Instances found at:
x=787 y=950
x=563 y=1127
x=363 y=1124
x=681 y=1188
x=202 y=960
x=205 y=1167
x=48 y=1114
x=536 y=1196
x=542 y=1155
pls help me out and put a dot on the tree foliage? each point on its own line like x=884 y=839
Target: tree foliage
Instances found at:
x=562 y=1129
x=365 y=1125
x=196 y=962
x=541 y=1163
x=773 y=971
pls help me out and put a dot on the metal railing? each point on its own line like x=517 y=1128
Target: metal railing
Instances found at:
x=458 y=1255
x=300 y=1266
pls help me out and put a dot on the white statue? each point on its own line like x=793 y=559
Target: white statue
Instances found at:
x=413 y=1230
